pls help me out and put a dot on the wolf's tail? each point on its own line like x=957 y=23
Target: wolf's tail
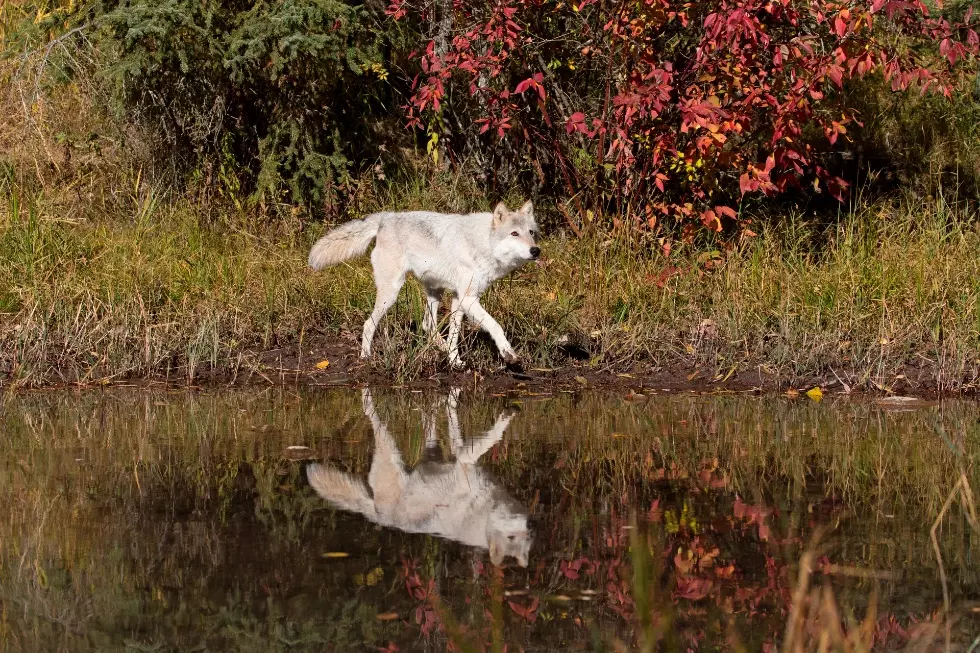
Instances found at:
x=340 y=490
x=345 y=242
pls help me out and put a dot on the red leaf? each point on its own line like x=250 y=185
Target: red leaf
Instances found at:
x=726 y=211
x=840 y=27
x=693 y=589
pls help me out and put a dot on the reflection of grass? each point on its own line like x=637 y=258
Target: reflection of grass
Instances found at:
x=126 y=512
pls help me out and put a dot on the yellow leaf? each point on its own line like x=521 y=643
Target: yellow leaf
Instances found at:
x=387 y=616
x=336 y=554
x=792 y=393
x=582 y=380
x=322 y=365
x=618 y=435
x=815 y=393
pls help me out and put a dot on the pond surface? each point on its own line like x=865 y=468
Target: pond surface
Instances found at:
x=141 y=520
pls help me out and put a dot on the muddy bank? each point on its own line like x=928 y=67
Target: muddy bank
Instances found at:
x=324 y=361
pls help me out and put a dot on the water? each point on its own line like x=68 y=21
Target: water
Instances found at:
x=175 y=521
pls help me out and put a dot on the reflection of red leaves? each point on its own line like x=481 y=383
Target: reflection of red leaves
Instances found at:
x=683 y=561
x=887 y=627
x=655 y=514
x=529 y=613
x=426 y=617
x=753 y=515
x=572 y=569
x=692 y=589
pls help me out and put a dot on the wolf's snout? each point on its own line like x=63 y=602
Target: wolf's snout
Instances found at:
x=535 y=251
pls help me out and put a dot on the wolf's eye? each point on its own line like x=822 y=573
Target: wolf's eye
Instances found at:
x=514 y=233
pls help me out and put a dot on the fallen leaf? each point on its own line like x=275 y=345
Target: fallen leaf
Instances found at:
x=387 y=616
x=336 y=554
x=322 y=365
x=618 y=435
x=815 y=393
x=297 y=452
x=582 y=380
x=792 y=393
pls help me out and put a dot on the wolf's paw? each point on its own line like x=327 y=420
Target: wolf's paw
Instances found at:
x=510 y=356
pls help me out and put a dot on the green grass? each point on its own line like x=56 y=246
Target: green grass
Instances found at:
x=164 y=286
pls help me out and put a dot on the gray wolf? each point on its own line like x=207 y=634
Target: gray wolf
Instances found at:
x=456 y=500
x=462 y=254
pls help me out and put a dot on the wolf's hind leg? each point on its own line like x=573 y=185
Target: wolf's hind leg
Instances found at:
x=389 y=277
x=387 y=477
x=431 y=320
x=455 y=326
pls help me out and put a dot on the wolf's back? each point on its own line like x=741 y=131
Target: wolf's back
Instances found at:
x=345 y=242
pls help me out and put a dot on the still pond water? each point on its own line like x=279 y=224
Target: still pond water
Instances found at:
x=341 y=520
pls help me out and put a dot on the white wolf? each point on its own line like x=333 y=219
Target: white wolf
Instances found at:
x=463 y=254
x=455 y=500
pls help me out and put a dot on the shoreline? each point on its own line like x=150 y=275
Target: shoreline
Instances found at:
x=284 y=367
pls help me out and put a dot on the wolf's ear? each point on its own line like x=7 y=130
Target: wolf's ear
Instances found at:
x=527 y=209
x=499 y=212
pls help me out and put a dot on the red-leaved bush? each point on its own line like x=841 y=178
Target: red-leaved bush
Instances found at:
x=670 y=110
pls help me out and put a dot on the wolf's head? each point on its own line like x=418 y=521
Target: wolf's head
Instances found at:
x=515 y=235
x=508 y=535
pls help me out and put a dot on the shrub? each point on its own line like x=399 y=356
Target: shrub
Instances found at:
x=279 y=98
x=673 y=110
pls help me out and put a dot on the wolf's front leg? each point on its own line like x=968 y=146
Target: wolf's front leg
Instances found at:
x=469 y=453
x=471 y=306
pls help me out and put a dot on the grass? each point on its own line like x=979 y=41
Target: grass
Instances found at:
x=107 y=272
x=164 y=287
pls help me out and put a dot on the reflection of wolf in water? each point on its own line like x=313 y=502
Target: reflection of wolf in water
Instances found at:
x=456 y=500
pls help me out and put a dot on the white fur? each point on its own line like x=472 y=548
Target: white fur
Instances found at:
x=456 y=500
x=462 y=254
